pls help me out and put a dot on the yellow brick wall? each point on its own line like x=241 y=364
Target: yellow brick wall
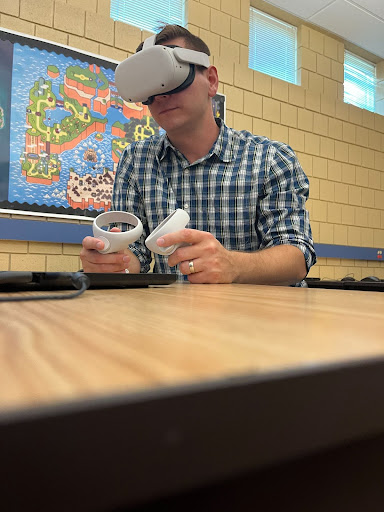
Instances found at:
x=340 y=147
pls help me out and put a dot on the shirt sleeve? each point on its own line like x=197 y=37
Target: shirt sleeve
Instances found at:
x=126 y=197
x=282 y=216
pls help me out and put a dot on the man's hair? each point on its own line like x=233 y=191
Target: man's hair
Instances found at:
x=169 y=32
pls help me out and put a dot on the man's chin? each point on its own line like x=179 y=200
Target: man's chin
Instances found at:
x=170 y=124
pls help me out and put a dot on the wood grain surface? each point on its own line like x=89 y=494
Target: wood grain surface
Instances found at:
x=112 y=341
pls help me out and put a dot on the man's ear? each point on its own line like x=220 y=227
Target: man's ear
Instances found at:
x=213 y=81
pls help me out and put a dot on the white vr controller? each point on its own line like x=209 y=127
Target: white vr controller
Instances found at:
x=174 y=222
x=114 y=242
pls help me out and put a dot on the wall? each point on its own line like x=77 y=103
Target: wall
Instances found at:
x=341 y=147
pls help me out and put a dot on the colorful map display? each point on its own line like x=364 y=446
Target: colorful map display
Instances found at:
x=66 y=130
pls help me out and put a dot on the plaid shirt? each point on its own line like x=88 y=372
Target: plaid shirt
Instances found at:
x=248 y=191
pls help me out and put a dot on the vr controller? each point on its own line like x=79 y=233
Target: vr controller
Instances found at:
x=174 y=222
x=114 y=242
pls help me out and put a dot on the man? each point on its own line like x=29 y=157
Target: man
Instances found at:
x=245 y=194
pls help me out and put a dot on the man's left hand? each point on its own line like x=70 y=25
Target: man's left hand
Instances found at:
x=203 y=260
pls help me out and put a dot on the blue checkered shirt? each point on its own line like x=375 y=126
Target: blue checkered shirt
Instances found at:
x=248 y=191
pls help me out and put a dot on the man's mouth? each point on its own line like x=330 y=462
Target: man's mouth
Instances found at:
x=168 y=109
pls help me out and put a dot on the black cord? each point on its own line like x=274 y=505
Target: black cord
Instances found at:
x=79 y=280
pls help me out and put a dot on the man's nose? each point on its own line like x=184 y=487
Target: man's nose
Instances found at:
x=160 y=97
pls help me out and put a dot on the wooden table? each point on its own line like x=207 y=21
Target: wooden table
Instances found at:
x=115 y=359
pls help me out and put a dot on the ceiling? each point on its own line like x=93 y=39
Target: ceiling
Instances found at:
x=360 y=21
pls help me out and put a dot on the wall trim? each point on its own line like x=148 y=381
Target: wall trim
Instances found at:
x=66 y=233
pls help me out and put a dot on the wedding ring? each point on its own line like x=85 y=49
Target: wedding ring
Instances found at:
x=191 y=267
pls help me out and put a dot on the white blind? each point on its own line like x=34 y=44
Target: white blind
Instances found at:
x=272 y=46
x=148 y=14
x=359 y=81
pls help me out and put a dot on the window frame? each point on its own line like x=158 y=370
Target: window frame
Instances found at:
x=349 y=59
x=292 y=76
x=149 y=10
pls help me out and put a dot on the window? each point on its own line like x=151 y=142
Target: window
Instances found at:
x=272 y=46
x=148 y=14
x=359 y=82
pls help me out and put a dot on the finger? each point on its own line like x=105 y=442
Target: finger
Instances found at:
x=92 y=243
x=189 y=267
x=95 y=262
x=205 y=277
x=104 y=268
x=199 y=278
x=188 y=236
x=198 y=272
x=95 y=257
x=184 y=253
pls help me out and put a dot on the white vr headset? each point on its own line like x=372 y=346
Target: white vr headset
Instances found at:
x=157 y=70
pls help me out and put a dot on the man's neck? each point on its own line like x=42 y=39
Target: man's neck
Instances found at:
x=196 y=142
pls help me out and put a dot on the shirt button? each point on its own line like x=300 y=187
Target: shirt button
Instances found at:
x=186 y=206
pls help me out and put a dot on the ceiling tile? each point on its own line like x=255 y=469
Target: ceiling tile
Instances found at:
x=301 y=8
x=353 y=24
x=376 y=7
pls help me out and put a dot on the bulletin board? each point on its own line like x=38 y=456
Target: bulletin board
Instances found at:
x=63 y=128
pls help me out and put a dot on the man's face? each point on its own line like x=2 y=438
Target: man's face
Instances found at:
x=184 y=109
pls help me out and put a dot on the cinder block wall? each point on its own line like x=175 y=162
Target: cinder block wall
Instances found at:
x=340 y=147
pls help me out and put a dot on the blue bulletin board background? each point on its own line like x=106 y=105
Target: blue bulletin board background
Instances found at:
x=63 y=128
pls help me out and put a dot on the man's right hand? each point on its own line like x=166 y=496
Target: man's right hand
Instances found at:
x=93 y=261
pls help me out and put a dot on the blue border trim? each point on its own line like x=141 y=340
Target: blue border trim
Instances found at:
x=349 y=252
x=63 y=232
x=43 y=231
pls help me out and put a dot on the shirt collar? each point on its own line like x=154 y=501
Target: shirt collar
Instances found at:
x=164 y=145
x=222 y=147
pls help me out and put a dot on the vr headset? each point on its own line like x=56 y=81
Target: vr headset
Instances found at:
x=157 y=70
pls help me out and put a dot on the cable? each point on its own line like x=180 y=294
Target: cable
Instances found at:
x=80 y=281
